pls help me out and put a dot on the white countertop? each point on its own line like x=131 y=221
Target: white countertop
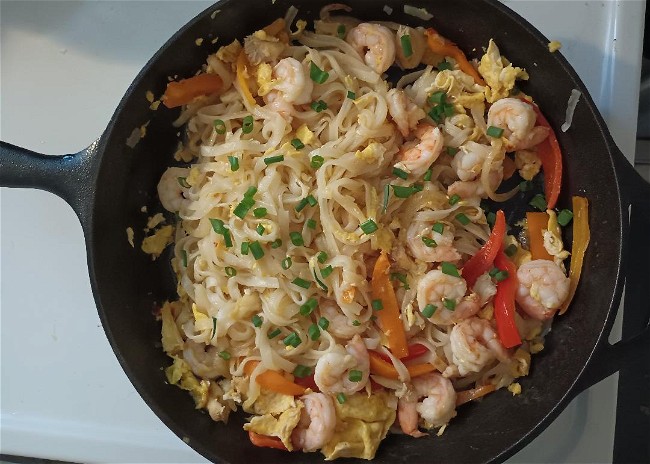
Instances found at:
x=65 y=66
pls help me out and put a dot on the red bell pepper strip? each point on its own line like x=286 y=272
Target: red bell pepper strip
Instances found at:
x=264 y=441
x=307 y=382
x=482 y=261
x=550 y=154
x=415 y=351
x=504 y=302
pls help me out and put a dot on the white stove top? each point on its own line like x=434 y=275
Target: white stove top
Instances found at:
x=65 y=65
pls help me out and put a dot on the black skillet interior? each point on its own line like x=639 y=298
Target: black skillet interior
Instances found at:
x=128 y=285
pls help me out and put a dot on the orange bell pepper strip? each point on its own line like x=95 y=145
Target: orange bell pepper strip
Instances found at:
x=388 y=318
x=274 y=381
x=380 y=367
x=504 y=302
x=537 y=222
x=482 y=261
x=265 y=441
x=581 y=236
x=415 y=351
x=242 y=74
x=466 y=396
x=184 y=91
x=550 y=154
x=442 y=46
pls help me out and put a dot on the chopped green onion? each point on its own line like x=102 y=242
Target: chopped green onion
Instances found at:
x=449 y=304
x=510 y=250
x=257 y=321
x=256 y=249
x=318 y=106
x=525 y=186
x=436 y=113
x=293 y=339
x=369 y=227
x=401 y=277
x=403 y=192
x=340 y=31
x=494 y=271
x=308 y=307
x=449 y=110
x=322 y=257
x=244 y=207
x=341 y=398
x=539 y=202
x=418 y=187
x=224 y=355
x=247 y=125
x=313 y=332
x=463 y=219
x=400 y=173
x=277 y=243
x=449 y=269
x=564 y=217
x=317 y=74
x=274 y=333
x=427 y=175
x=273 y=159
x=326 y=271
x=311 y=223
x=355 y=375
x=386 y=196
x=214 y=327
x=286 y=263
x=250 y=192
x=308 y=200
x=302 y=371
x=296 y=238
x=431 y=243
x=438 y=97
x=319 y=282
x=494 y=131
x=297 y=144
x=245 y=246
x=377 y=305
x=183 y=182
x=260 y=212
x=356 y=323
x=184 y=258
x=219 y=227
x=323 y=323
x=373 y=318
x=219 y=126
x=501 y=276
x=230 y=271
x=439 y=227
x=351 y=95
x=301 y=282
x=312 y=200
x=451 y=151
x=260 y=229
x=234 y=163
x=443 y=65
x=316 y=161
x=429 y=310
x=405 y=40
x=454 y=199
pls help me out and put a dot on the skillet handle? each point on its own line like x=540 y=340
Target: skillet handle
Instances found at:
x=71 y=177
x=610 y=358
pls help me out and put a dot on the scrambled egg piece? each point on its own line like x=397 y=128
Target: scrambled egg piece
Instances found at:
x=248 y=304
x=553 y=240
x=514 y=388
x=193 y=176
x=154 y=221
x=269 y=402
x=229 y=53
x=554 y=45
x=181 y=374
x=155 y=244
x=264 y=77
x=498 y=73
x=373 y=152
x=129 y=236
x=361 y=423
x=459 y=87
x=528 y=163
x=520 y=363
x=521 y=256
x=280 y=426
x=172 y=340
x=305 y=135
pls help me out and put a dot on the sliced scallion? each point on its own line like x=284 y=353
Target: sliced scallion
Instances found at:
x=451 y=151
x=377 y=305
x=297 y=144
x=274 y=333
x=351 y=95
x=257 y=320
x=293 y=339
x=273 y=159
x=539 y=202
x=463 y=219
x=184 y=258
x=302 y=371
x=369 y=227
x=355 y=375
x=319 y=106
x=564 y=217
x=260 y=212
x=308 y=307
x=386 y=196
x=340 y=31
x=427 y=175
x=234 y=163
x=245 y=246
x=317 y=74
x=323 y=323
x=311 y=224
x=247 y=124
x=510 y=250
x=322 y=257
x=404 y=192
x=428 y=310
x=449 y=269
x=286 y=263
x=444 y=65
x=182 y=181
x=313 y=332
x=356 y=323
x=454 y=199
x=439 y=227
x=438 y=97
x=296 y=238
x=224 y=355
x=400 y=173
x=494 y=131
x=341 y=398
x=277 y=243
x=256 y=250
x=407 y=48
x=219 y=126
x=449 y=304
x=501 y=276
x=230 y=271
x=326 y=271
x=431 y=243
x=316 y=161
x=250 y=192
x=301 y=282
x=260 y=229
x=243 y=207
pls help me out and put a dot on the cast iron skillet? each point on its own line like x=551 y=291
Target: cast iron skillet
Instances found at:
x=108 y=183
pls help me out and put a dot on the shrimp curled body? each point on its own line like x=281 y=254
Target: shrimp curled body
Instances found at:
x=436 y=409
x=442 y=290
x=517 y=119
x=317 y=422
x=543 y=287
x=170 y=190
x=375 y=44
x=418 y=158
x=332 y=373
x=474 y=343
x=441 y=249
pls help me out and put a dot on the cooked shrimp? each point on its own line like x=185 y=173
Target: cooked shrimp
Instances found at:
x=170 y=191
x=317 y=423
x=407 y=414
x=469 y=160
x=485 y=288
x=474 y=188
x=340 y=325
x=474 y=343
x=436 y=409
x=418 y=46
x=204 y=363
x=375 y=44
x=417 y=159
x=543 y=287
x=294 y=82
x=332 y=374
x=442 y=248
x=278 y=104
x=404 y=112
x=517 y=119
x=436 y=288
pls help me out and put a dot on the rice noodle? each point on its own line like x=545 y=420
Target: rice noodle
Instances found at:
x=570 y=109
